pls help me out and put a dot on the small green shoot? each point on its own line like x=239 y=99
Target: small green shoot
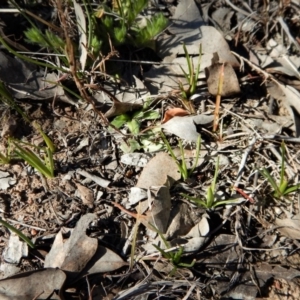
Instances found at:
x=281 y=188
x=181 y=164
x=44 y=165
x=211 y=200
x=18 y=232
x=4 y=159
x=43 y=161
x=133 y=122
x=191 y=77
x=173 y=257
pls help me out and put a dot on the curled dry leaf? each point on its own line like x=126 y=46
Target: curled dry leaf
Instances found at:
x=173 y=112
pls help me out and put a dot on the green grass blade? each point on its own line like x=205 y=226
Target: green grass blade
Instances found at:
x=198 y=148
x=226 y=202
x=196 y=201
x=214 y=182
x=188 y=59
x=282 y=163
x=4 y=159
x=47 y=140
x=271 y=180
x=210 y=197
x=18 y=232
x=292 y=189
x=23 y=57
x=32 y=159
x=186 y=75
x=184 y=170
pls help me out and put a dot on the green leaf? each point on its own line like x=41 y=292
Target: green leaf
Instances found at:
x=18 y=232
x=134 y=126
x=292 y=189
x=47 y=140
x=271 y=180
x=151 y=115
x=120 y=120
x=210 y=197
x=32 y=159
x=198 y=147
x=196 y=200
x=131 y=146
x=282 y=164
x=120 y=34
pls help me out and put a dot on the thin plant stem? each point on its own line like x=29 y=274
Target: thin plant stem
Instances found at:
x=218 y=98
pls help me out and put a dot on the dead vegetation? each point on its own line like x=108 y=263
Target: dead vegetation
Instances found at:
x=122 y=200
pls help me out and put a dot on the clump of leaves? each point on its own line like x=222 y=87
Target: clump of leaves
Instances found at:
x=41 y=161
x=211 y=201
x=133 y=122
x=281 y=188
x=181 y=164
x=122 y=24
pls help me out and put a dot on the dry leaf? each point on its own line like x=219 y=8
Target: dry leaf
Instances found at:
x=290 y=98
x=86 y=195
x=173 y=112
x=289 y=227
x=231 y=85
x=185 y=127
x=158 y=171
x=104 y=261
x=29 y=285
x=73 y=254
x=159 y=213
x=82 y=30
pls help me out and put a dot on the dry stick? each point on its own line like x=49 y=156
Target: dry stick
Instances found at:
x=218 y=98
x=141 y=218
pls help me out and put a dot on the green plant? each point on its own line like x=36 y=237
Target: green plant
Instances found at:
x=211 y=201
x=18 y=232
x=181 y=164
x=280 y=189
x=133 y=122
x=8 y=100
x=43 y=161
x=123 y=25
x=191 y=77
x=175 y=258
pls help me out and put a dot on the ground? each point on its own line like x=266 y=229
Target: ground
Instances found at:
x=157 y=190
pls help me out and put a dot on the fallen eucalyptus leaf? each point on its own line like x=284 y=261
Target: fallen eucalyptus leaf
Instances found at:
x=158 y=171
x=185 y=127
x=29 y=285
